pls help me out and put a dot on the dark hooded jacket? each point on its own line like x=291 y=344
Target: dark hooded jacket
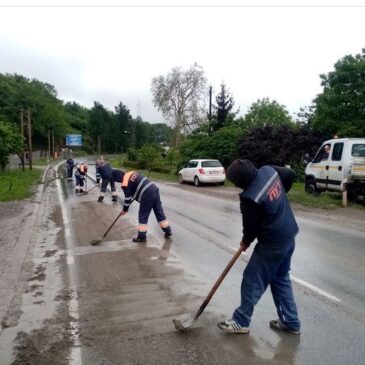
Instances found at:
x=241 y=173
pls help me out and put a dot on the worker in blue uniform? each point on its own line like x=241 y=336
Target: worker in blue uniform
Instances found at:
x=70 y=164
x=267 y=216
x=104 y=172
x=80 y=175
x=137 y=187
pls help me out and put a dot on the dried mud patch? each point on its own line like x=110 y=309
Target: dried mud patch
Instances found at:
x=45 y=346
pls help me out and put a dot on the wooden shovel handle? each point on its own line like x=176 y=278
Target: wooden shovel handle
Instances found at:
x=218 y=282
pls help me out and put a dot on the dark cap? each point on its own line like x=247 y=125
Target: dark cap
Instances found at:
x=241 y=173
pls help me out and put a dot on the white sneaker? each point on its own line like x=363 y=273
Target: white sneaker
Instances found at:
x=232 y=326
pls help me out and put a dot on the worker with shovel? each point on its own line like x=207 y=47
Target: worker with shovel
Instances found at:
x=267 y=216
x=137 y=187
x=70 y=164
x=104 y=172
x=80 y=175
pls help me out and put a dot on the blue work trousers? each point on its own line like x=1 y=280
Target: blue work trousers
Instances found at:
x=104 y=185
x=79 y=181
x=150 y=200
x=269 y=265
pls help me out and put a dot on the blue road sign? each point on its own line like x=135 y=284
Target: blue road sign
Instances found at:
x=73 y=140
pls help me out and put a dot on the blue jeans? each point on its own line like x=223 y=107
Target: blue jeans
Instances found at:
x=269 y=265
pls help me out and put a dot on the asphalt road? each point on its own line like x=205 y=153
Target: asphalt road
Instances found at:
x=121 y=297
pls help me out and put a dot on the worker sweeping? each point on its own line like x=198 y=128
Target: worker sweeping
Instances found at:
x=267 y=216
x=104 y=172
x=137 y=187
x=80 y=175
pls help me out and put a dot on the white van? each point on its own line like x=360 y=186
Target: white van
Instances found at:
x=339 y=165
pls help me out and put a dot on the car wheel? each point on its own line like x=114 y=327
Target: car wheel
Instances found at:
x=196 y=181
x=311 y=188
x=181 y=180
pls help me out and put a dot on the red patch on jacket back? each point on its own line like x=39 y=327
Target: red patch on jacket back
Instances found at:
x=275 y=192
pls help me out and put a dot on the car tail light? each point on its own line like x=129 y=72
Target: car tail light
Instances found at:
x=201 y=171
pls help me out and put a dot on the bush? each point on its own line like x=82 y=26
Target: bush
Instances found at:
x=162 y=169
x=132 y=154
x=132 y=164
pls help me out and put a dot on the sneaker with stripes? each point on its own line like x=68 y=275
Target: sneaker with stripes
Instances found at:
x=232 y=326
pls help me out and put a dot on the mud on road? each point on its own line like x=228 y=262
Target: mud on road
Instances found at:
x=126 y=294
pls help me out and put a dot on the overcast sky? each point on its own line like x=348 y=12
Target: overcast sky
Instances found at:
x=111 y=54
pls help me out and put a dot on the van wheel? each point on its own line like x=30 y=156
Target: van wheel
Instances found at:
x=181 y=180
x=311 y=188
x=196 y=181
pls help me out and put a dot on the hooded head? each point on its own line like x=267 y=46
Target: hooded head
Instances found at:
x=99 y=162
x=241 y=173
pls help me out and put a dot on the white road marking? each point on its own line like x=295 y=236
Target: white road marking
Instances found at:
x=75 y=356
x=315 y=289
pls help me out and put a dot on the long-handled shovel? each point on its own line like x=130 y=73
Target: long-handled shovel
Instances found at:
x=183 y=325
x=96 y=242
x=86 y=192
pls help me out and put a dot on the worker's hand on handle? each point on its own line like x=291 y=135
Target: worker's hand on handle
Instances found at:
x=123 y=213
x=244 y=245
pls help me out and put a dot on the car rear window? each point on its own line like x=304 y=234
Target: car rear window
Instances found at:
x=211 y=164
x=358 y=150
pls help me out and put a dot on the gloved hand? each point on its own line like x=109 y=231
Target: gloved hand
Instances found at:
x=123 y=213
x=244 y=245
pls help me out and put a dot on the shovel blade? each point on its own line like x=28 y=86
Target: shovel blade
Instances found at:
x=183 y=325
x=95 y=242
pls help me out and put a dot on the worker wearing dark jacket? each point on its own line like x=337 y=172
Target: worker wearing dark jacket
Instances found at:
x=267 y=216
x=70 y=164
x=137 y=187
x=104 y=172
x=80 y=175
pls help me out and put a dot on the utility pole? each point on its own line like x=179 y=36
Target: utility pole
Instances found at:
x=49 y=145
x=22 y=132
x=53 y=151
x=30 y=140
x=210 y=109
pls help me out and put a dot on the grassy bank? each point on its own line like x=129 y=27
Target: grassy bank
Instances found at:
x=18 y=184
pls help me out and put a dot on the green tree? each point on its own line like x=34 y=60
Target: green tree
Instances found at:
x=223 y=108
x=124 y=127
x=99 y=119
x=11 y=141
x=265 y=113
x=47 y=112
x=179 y=96
x=340 y=108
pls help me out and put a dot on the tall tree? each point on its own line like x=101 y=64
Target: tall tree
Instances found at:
x=11 y=141
x=340 y=108
x=223 y=109
x=99 y=119
x=124 y=127
x=179 y=96
x=265 y=113
x=47 y=112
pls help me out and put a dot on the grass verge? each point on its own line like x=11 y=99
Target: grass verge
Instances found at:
x=327 y=200
x=18 y=184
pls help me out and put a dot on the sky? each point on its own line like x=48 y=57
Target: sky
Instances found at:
x=111 y=53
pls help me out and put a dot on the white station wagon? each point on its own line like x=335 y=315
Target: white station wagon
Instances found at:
x=202 y=171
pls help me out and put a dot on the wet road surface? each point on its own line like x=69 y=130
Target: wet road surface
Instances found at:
x=121 y=297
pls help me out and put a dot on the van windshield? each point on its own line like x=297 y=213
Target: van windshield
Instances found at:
x=358 y=150
x=211 y=164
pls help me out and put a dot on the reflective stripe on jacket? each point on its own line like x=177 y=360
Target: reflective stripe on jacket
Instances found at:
x=277 y=222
